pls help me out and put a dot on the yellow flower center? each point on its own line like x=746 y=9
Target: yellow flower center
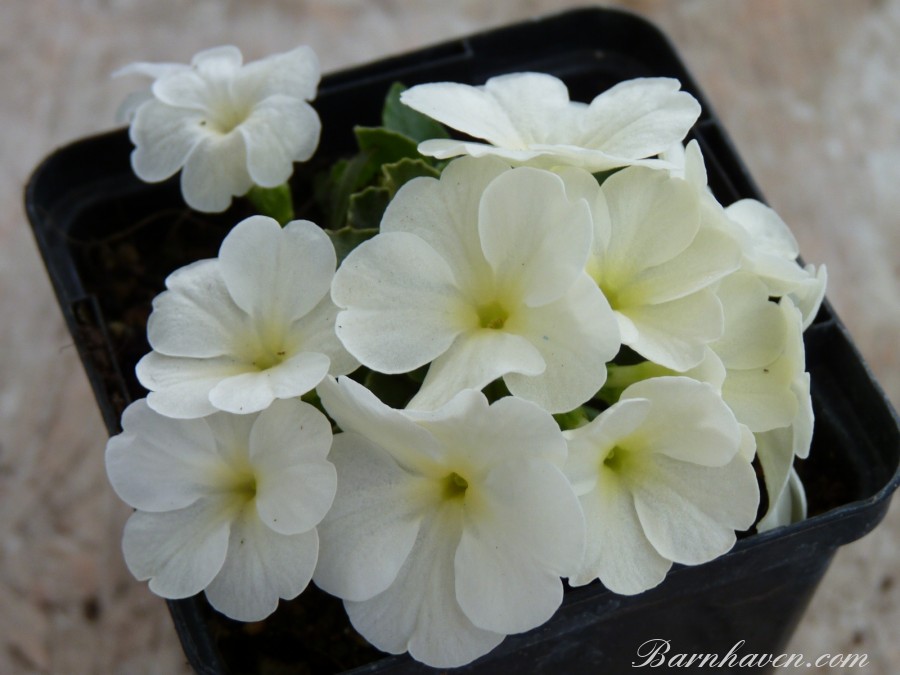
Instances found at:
x=615 y=459
x=237 y=482
x=225 y=116
x=454 y=486
x=266 y=345
x=245 y=487
x=492 y=316
x=268 y=359
x=602 y=278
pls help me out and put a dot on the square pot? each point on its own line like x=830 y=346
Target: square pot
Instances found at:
x=109 y=241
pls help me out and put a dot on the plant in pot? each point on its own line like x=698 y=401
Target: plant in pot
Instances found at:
x=522 y=322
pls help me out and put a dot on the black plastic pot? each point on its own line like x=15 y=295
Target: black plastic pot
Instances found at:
x=88 y=209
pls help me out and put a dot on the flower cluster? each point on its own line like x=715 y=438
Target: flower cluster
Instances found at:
x=554 y=356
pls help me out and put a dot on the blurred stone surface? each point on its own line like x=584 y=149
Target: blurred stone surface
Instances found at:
x=808 y=90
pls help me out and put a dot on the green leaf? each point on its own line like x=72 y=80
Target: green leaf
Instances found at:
x=333 y=192
x=575 y=418
x=348 y=238
x=601 y=176
x=404 y=120
x=394 y=390
x=397 y=174
x=367 y=206
x=382 y=146
x=274 y=202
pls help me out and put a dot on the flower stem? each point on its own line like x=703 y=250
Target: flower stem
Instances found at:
x=619 y=378
x=274 y=202
x=575 y=418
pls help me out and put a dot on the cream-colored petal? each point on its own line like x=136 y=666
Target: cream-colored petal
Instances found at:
x=261 y=567
x=402 y=306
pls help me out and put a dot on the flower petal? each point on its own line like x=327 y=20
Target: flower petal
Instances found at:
x=755 y=327
x=534 y=238
x=419 y=611
x=617 y=551
x=654 y=218
x=188 y=91
x=357 y=409
x=295 y=483
x=276 y=274
x=181 y=551
x=214 y=172
x=475 y=359
x=590 y=444
x=224 y=59
x=674 y=334
x=472 y=110
x=164 y=138
x=688 y=421
x=403 y=308
x=690 y=512
x=523 y=532
x=289 y=433
x=180 y=387
x=479 y=435
x=160 y=464
x=444 y=213
x=575 y=337
x=196 y=317
x=711 y=255
x=442 y=148
x=281 y=130
x=370 y=530
x=775 y=449
x=536 y=103
x=250 y=392
x=295 y=73
x=639 y=117
x=315 y=332
x=810 y=293
x=261 y=566
x=805 y=419
x=789 y=507
x=769 y=233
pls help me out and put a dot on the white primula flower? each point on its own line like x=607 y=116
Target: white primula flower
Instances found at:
x=450 y=529
x=527 y=118
x=787 y=507
x=655 y=263
x=771 y=253
x=255 y=324
x=227 y=503
x=227 y=126
x=766 y=385
x=762 y=352
x=481 y=274
x=768 y=246
x=661 y=479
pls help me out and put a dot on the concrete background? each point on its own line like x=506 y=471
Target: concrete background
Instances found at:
x=808 y=89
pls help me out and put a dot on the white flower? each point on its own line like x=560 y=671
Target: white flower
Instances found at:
x=527 y=118
x=771 y=252
x=762 y=352
x=661 y=478
x=227 y=503
x=255 y=324
x=655 y=262
x=227 y=126
x=450 y=529
x=765 y=384
x=481 y=274
x=787 y=507
x=769 y=249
